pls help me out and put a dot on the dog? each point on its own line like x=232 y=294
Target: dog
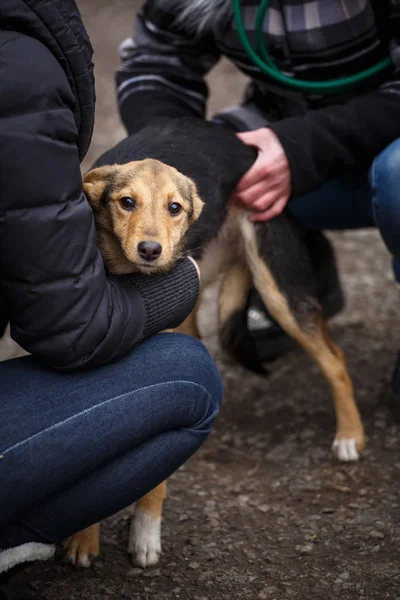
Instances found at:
x=142 y=210
x=270 y=256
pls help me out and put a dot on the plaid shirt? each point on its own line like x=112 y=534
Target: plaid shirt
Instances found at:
x=178 y=41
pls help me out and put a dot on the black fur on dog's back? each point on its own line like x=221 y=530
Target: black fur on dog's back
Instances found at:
x=211 y=155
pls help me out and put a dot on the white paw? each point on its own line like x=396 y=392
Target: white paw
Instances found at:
x=345 y=449
x=145 y=539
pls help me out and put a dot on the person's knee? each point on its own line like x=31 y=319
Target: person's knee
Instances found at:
x=204 y=388
x=385 y=183
x=184 y=365
x=181 y=358
x=199 y=367
x=385 y=171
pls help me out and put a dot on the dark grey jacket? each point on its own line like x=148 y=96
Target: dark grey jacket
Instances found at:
x=61 y=304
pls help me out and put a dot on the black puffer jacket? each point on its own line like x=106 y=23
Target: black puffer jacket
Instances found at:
x=53 y=288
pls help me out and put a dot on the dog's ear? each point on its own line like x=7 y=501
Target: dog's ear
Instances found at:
x=188 y=190
x=97 y=185
x=197 y=202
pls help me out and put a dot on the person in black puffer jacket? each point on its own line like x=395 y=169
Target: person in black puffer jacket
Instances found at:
x=78 y=442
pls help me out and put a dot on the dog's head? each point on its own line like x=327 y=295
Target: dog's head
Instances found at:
x=142 y=211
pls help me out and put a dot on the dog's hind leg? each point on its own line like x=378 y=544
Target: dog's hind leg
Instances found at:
x=300 y=315
x=83 y=547
x=145 y=534
x=232 y=316
x=233 y=292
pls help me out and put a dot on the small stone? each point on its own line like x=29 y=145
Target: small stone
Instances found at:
x=243 y=500
x=193 y=565
x=155 y=573
x=328 y=510
x=134 y=572
x=344 y=576
x=353 y=505
x=265 y=594
x=305 y=548
x=363 y=492
x=378 y=535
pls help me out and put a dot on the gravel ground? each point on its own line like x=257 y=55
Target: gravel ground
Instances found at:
x=263 y=511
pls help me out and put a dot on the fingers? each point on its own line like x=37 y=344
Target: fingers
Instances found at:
x=256 y=137
x=273 y=211
x=259 y=171
x=262 y=194
x=250 y=138
x=266 y=187
x=250 y=195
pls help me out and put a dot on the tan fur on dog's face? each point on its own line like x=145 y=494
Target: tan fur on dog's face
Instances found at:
x=142 y=202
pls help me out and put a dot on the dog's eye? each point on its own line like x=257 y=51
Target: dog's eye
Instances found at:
x=174 y=208
x=127 y=203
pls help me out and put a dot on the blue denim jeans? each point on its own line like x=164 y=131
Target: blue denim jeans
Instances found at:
x=77 y=448
x=362 y=200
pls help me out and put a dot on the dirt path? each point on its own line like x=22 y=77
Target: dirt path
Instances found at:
x=263 y=512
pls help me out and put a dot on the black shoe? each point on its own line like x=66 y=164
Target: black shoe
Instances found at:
x=395 y=392
x=10 y=573
x=268 y=337
x=8 y=592
x=11 y=591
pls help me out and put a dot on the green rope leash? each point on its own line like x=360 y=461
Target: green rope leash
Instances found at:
x=263 y=61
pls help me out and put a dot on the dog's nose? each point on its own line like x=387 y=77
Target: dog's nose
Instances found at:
x=149 y=250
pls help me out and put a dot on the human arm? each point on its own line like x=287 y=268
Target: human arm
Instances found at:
x=342 y=137
x=63 y=308
x=162 y=69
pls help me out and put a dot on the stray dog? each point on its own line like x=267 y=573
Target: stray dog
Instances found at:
x=271 y=256
x=142 y=211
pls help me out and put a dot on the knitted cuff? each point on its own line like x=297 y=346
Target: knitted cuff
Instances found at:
x=168 y=298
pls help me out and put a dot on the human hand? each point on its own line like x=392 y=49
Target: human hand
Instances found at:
x=266 y=187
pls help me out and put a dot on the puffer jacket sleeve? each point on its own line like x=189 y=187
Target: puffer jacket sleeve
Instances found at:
x=62 y=306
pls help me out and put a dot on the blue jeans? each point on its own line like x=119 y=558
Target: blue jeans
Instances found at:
x=361 y=200
x=77 y=448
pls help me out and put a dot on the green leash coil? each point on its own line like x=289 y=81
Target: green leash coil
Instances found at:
x=263 y=61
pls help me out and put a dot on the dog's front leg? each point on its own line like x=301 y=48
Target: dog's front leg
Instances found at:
x=145 y=533
x=83 y=547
